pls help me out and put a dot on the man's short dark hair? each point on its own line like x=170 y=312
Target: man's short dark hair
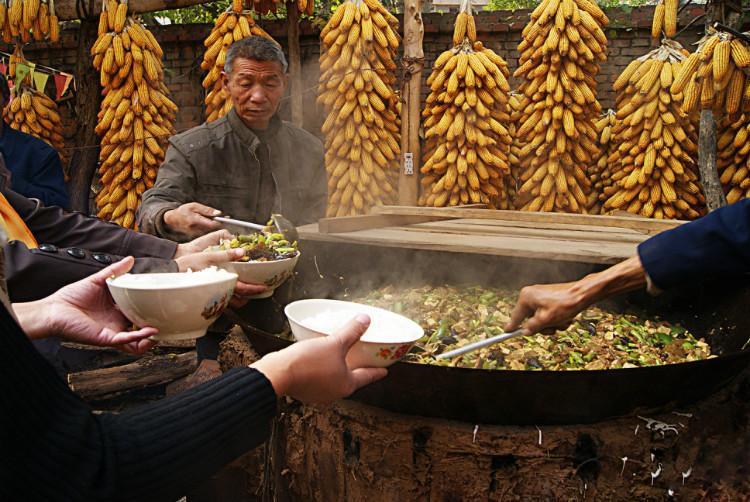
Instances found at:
x=257 y=48
x=4 y=90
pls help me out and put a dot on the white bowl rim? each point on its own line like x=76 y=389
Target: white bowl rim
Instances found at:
x=209 y=282
x=344 y=302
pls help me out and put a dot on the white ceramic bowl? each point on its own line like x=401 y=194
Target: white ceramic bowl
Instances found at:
x=180 y=305
x=271 y=273
x=389 y=337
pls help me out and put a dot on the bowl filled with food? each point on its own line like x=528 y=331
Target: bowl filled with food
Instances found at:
x=269 y=259
x=180 y=305
x=388 y=339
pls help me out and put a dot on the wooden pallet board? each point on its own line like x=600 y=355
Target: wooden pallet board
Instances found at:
x=546 y=236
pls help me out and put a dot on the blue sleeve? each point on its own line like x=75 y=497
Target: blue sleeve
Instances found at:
x=715 y=246
x=46 y=183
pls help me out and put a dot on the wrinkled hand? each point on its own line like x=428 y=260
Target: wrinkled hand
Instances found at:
x=545 y=307
x=192 y=219
x=315 y=371
x=84 y=312
x=198 y=261
x=201 y=243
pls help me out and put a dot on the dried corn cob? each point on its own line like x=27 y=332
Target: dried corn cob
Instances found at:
x=466 y=119
x=29 y=20
x=665 y=19
x=230 y=27
x=599 y=173
x=561 y=49
x=714 y=76
x=362 y=125
x=733 y=152
x=34 y=112
x=136 y=115
x=653 y=171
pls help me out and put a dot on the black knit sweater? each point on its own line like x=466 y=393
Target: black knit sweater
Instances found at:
x=53 y=448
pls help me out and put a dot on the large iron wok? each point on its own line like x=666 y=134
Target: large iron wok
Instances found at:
x=717 y=312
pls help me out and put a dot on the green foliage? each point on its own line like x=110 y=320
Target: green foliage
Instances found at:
x=511 y=4
x=205 y=13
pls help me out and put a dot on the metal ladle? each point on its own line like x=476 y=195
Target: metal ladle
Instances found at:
x=281 y=224
x=480 y=344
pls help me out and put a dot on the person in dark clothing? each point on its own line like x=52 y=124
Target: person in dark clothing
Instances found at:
x=73 y=246
x=35 y=167
x=248 y=165
x=54 y=447
x=715 y=246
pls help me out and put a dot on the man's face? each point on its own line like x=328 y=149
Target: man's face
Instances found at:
x=256 y=87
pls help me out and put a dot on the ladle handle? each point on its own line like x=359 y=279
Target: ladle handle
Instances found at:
x=239 y=223
x=480 y=344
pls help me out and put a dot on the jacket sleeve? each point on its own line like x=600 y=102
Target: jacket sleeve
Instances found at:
x=46 y=183
x=715 y=246
x=32 y=274
x=56 y=448
x=174 y=186
x=67 y=229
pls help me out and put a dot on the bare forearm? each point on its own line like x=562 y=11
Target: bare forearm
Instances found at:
x=32 y=318
x=626 y=276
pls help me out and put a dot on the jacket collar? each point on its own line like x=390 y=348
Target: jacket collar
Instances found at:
x=246 y=134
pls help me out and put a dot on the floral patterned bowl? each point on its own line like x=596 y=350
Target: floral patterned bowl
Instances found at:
x=389 y=337
x=180 y=305
x=271 y=273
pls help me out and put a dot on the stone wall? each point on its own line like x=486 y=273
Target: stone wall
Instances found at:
x=628 y=37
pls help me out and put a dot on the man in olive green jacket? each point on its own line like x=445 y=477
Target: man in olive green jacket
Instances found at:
x=246 y=165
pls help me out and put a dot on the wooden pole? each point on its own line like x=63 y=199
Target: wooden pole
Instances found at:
x=413 y=61
x=295 y=65
x=707 y=162
x=83 y=161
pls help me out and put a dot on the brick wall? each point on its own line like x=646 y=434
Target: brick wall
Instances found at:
x=628 y=37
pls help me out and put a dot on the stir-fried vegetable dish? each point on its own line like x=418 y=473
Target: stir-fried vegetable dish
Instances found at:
x=261 y=246
x=455 y=316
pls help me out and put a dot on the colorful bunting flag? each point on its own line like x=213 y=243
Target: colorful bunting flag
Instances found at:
x=40 y=80
x=62 y=82
x=21 y=71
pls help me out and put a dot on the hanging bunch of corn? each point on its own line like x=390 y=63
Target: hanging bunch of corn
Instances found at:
x=465 y=122
x=362 y=125
x=136 y=116
x=653 y=170
x=599 y=170
x=33 y=112
x=665 y=19
x=561 y=50
x=733 y=162
x=29 y=20
x=713 y=77
x=230 y=26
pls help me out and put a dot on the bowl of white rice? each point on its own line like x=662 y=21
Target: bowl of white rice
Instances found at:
x=180 y=305
x=389 y=337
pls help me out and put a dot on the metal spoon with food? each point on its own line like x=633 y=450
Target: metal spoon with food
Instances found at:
x=281 y=225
